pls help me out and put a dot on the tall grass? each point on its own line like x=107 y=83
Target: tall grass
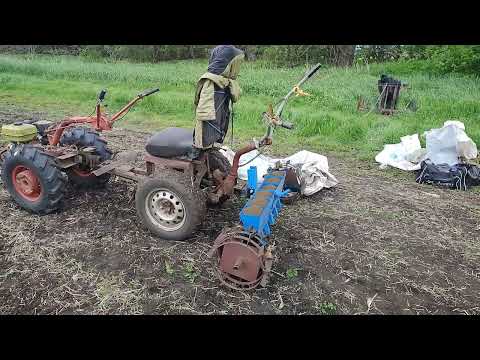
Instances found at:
x=327 y=120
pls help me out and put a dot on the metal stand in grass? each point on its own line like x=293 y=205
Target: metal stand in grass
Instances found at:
x=386 y=103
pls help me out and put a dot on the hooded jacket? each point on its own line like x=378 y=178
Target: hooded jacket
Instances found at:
x=216 y=90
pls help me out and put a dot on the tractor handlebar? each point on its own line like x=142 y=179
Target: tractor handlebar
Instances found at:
x=287 y=125
x=102 y=94
x=313 y=71
x=148 y=92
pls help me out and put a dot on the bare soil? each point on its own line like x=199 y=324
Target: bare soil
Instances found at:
x=378 y=243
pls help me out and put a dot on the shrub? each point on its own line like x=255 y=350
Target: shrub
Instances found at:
x=454 y=59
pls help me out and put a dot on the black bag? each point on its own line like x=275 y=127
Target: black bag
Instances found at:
x=459 y=176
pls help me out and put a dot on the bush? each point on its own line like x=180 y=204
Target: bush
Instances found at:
x=377 y=53
x=295 y=55
x=93 y=52
x=435 y=59
x=145 y=53
x=454 y=59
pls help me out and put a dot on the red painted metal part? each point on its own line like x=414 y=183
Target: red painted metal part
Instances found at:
x=226 y=188
x=99 y=122
x=26 y=183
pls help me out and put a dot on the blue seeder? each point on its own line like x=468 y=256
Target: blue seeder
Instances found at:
x=263 y=207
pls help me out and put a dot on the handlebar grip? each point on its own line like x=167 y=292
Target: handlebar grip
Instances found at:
x=148 y=92
x=102 y=94
x=287 y=125
x=313 y=70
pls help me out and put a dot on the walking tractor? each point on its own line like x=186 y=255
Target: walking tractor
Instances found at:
x=174 y=186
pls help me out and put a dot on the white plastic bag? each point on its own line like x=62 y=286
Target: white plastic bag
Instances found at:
x=401 y=155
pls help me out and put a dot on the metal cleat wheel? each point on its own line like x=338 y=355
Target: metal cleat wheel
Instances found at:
x=242 y=261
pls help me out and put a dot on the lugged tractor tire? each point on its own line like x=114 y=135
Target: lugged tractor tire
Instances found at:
x=33 y=180
x=169 y=206
x=82 y=138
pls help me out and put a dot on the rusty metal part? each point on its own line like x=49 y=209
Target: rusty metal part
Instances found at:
x=169 y=163
x=226 y=187
x=120 y=169
x=294 y=179
x=195 y=169
x=71 y=157
x=130 y=172
x=242 y=262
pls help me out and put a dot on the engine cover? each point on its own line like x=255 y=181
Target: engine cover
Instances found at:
x=18 y=133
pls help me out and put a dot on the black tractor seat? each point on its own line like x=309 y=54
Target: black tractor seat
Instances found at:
x=171 y=142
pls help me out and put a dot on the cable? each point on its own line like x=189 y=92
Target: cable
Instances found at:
x=231 y=138
x=249 y=161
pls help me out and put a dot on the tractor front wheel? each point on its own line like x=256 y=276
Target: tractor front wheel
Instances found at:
x=33 y=180
x=169 y=206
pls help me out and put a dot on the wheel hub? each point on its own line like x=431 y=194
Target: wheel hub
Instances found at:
x=26 y=183
x=166 y=209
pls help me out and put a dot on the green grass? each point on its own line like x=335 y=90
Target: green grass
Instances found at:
x=326 y=121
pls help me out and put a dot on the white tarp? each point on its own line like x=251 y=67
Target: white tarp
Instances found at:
x=314 y=168
x=443 y=146
x=447 y=144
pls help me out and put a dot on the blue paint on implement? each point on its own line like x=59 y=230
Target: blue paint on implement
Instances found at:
x=262 y=209
x=252 y=179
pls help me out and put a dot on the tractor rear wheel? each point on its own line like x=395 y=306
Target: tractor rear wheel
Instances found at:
x=218 y=161
x=169 y=206
x=33 y=180
x=82 y=176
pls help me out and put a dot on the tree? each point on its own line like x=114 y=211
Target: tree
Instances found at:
x=341 y=55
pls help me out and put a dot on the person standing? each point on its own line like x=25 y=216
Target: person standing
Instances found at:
x=216 y=92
